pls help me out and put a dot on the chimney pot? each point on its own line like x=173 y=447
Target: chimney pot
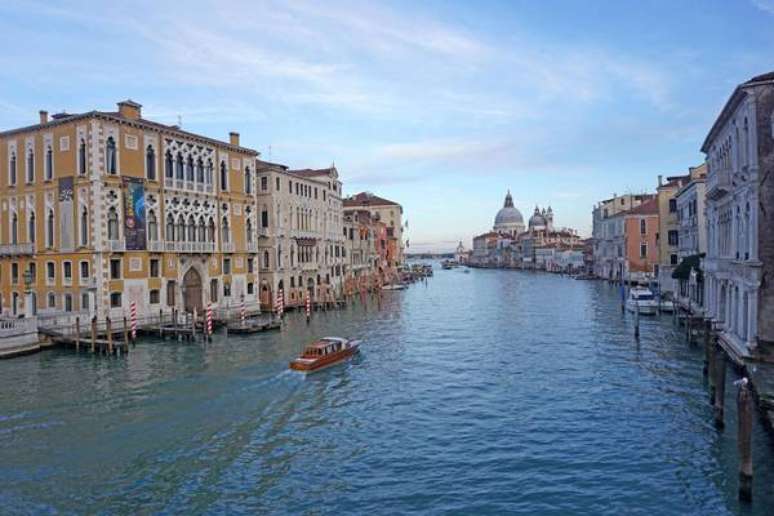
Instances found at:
x=130 y=109
x=233 y=138
x=660 y=179
x=43 y=117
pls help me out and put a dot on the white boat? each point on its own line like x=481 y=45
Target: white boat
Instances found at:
x=667 y=306
x=642 y=300
x=395 y=286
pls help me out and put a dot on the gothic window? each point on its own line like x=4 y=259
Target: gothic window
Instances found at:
x=12 y=169
x=202 y=230
x=180 y=229
x=153 y=227
x=170 y=236
x=223 y=176
x=15 y=229
x=191 y=229
x=266 y=259
x=150 y=163
x=179 y=167
x=50 y=229
x=264 y=218
x=249 y=229
x=30 y=166
x=110 y=155
x=209 y=172
x=168 y=166
x=224 y=236
x=248 y=181
x=82 y=158
x=200 y=171
x=211 y=230
x=747 y=235
x=189 y=170
x=49 y=172
x=31 y=228
x=112 y=224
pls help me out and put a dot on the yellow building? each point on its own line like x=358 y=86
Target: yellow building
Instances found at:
x=103 y=209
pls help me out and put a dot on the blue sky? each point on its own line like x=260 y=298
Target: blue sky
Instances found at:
x=440 y=106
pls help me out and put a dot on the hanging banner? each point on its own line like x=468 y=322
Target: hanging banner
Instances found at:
x=134 y=215
x=66 y=218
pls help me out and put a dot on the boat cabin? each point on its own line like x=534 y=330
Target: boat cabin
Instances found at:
x=323 y=347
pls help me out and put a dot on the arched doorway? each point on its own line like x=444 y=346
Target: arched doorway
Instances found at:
x=192 y=291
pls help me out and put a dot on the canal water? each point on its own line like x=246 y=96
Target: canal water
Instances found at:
x=483 y=393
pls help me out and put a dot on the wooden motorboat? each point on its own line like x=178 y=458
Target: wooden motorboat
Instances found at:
x=325 y=352
x=642 y=300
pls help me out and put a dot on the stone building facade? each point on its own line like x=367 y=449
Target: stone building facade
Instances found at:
x=103 y=209
x=391 y=214
x=739 y=265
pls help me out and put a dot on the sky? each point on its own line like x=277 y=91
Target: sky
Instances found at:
x=441 y=106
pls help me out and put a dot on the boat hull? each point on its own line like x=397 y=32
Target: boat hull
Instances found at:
x=311 y=366
x=642 y=307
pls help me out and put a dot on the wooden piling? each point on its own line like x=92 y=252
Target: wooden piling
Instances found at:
x=745 y=411
x=126 y=336
x=94 y=334
x=193 y=325
x=174 y=323
x=707 y=340
x=77 y=333
x=688 y=328
x=720 y=387
x=161 y=323
x=711 y=368
x=109 y=336
x=637 y=321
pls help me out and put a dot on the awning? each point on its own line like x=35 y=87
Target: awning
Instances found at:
x=683 y=270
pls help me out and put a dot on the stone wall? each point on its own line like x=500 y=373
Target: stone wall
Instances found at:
x=765 y=128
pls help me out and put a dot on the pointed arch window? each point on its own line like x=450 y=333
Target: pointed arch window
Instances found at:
x=12 y=169
x=84 y=226
x=150 y=163
x=223 y=176
x=249 y=230
x=31 y=228
x=170 y=236
x=202 y=230
x=30 y=166
x=248 y=181
x=200 y=170
x=211 y=231
x=208 y=177
x=110 y=155
x=49 y=172
x=113 y=224
x=14 y=229
x=50 y=229
x=179 y=167
x=266 y=259
x=180 y=229
x=82 y=157
x=191 y=229
x=224 y=236
x=153 y=226
x=189 y=169
x=168 y=165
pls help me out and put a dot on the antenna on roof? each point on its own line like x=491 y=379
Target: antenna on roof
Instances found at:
x=270 y=152
x=179 y=121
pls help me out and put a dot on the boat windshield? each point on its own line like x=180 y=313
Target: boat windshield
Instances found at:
x=644 y=297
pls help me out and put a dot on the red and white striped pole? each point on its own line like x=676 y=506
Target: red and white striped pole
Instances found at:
x=209 y=321
x=242 y=311
x=308 y=307
x=133 y=315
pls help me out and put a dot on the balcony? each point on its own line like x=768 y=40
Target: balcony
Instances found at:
x=116 y=246
x=17 y=249
x=252 y=247
x=189 y=247
x=718 y=184
x=227 y=247
x=264 y=232
x=191 y=186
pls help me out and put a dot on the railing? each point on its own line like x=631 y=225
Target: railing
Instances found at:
x=227 y=247
x=156 y=246
x=252 y=247
x=59 y=318
x=169 y=182
x=117 y=245
x=262 y=231
x=17 y=249
x=718 y=184
x=13 y=327
x=189 y=247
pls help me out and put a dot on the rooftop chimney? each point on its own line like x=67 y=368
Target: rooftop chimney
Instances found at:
x=233 y=138
x=660 y=180
x=43 y=117
x=130 y=109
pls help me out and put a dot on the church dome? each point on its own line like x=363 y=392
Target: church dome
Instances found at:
x=508 y=214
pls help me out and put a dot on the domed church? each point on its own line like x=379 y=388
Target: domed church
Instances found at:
x=509 y=219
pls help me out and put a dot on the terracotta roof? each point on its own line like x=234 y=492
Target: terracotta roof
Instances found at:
x=367 y=199
x=262 y=164
x=491 y=234
x=646 y=208
x=311 y=172
x=117 y=117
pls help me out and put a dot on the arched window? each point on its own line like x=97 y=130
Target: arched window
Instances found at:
x=249 y=230
x=202 y=230
x=224 y=231
x=199 y=171
x=84 y=226
x=223 y=176
x=179 y=167
x=266 y=259
x=180 y=229
x=745 y=144
x=82 y=157
x=110 y=155
x=50 y=229
x=747 y=236
x=49 y=172
x=113 y=224
x=12 y=169
x=150 y=163
x=209 y=172
x=14 y=229
x=248 y=181
x=170 y=236
x=189 y=169
x=31 y=228
x=153 y=226
x=191 y=229
x=168 y=166
x=30 y=166
x=211 y=230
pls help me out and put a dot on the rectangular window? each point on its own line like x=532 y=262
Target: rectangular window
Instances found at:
x=51 y=300
x=214 y=290
x=155 y=268
x=250 y=288
x=672 y=205
x=250 y=265
x=67 y=270
x=15 y=272
x=264 y=183
x=115 y=268
x=643 y=227
x=84 y=301
x=115 y=299
x=673 y=237
x=33 y=268
x=226 y=265
x=50 y=272
x=154 y=297
x=643 y=250
x=226 y=289
x=84 y=270
x=170 y=293
x=68 y=303
x=673 y=259
x=278 y=184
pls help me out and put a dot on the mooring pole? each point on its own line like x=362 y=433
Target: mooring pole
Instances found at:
x=77 y=333
x=720 y=387
x=637 y=320
x=126 y=336
x=744 y=404
x=711 y=369
x=707 y=343
x=93 y=334
x=109 y=336
x=161 y=323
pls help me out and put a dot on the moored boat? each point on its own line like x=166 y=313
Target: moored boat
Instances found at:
x=642 y=300
x=395 y=286
x=325 y=352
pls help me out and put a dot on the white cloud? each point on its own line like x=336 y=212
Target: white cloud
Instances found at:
x=764 y=5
